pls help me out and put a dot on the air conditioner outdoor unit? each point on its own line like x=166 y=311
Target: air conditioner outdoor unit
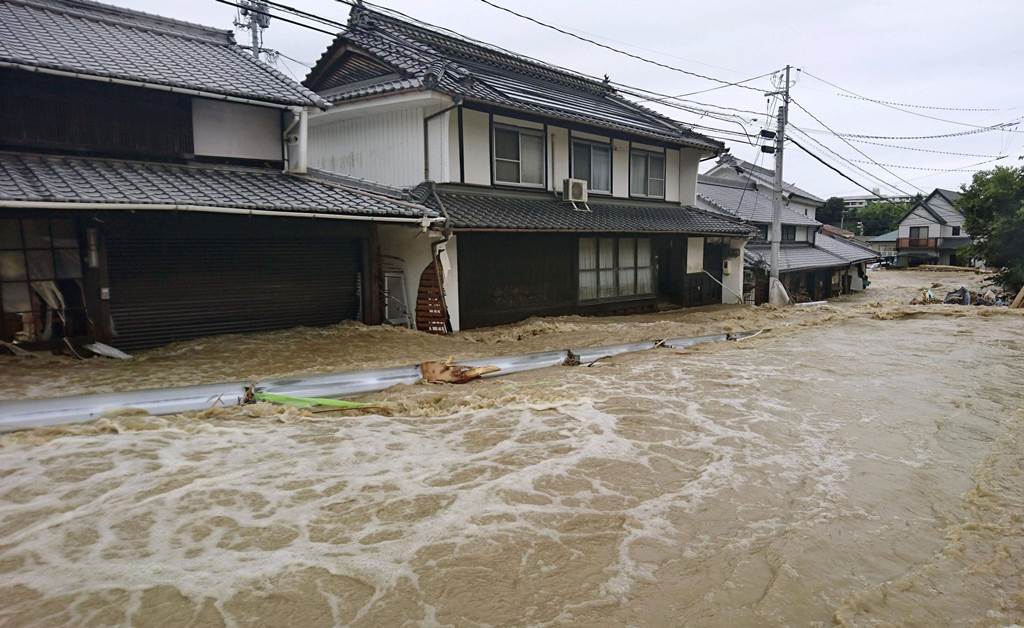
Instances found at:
x=575 y=191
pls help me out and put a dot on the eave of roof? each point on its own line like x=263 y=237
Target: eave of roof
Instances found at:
x=70 y=181
x=484 y=209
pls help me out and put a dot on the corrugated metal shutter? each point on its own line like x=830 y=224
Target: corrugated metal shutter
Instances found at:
x=166 y=288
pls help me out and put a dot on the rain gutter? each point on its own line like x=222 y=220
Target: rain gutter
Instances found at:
x=211 y=209
x=33 y=413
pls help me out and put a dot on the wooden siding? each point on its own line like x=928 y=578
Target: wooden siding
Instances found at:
x=384 y=147
x=507 y=277
x=180 y=276
x=58 y=113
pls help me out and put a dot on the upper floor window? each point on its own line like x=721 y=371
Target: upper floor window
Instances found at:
x=593 y=162
x=647 y=174
x=789 y=233
x=919 y=233
x=518 y=156
x=956 y=231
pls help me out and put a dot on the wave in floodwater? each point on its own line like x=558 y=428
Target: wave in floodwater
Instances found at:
x=865 y=473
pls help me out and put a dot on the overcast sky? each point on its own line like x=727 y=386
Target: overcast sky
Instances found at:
x=938 y=53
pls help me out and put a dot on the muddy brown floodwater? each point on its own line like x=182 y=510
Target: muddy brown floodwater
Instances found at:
x=861 y=465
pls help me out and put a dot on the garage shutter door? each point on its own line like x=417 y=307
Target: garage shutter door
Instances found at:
x=166 y=288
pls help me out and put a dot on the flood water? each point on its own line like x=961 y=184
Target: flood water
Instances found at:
x=862 y=472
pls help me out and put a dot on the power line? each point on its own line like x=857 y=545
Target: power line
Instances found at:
x=276 y=17
x=903 y=104
x=891 y=106
x=859 y=151
x=869 y=174
x=922 y=150
x=617 y=50
x=960 y=169
x=1002 y=126
x=312 y=16
x=683 y=96
x=843 y=174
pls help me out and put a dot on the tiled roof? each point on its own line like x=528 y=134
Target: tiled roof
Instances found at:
x=885 y=237
x=792 y=257
x=748 y=202
x=942 y=203
x=428 y=59
x=512 y=210
x=765 y=175
x=136 y=183
x=105 y=41
x=845 y=249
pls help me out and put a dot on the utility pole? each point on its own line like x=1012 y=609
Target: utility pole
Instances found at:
x=775 y=294
x=253 y=15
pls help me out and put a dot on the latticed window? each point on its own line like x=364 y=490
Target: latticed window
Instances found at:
x=615 y=268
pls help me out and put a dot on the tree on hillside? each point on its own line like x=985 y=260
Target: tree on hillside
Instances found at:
x=878 y=217
x=831 y=213
x=993 y=209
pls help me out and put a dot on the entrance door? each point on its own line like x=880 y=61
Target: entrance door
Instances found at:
x=713 y=258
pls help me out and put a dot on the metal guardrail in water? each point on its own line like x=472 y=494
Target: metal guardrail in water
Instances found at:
x=33 y=413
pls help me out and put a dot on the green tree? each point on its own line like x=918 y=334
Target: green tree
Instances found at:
x=878 y=217
x=993 y=209
x=831 y=213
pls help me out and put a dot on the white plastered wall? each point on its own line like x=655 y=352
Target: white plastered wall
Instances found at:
x=673 y=174
x=558 y=156
x=229 y=129
x=732 y=272
x=476 y=143
x=620 y=168
x=689 y=161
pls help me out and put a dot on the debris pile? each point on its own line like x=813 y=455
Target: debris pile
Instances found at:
x=963 y=296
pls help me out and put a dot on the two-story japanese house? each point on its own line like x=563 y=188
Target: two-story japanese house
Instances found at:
x=154 y=187
x=813 y=265
x=492 y=141
x=931 y=232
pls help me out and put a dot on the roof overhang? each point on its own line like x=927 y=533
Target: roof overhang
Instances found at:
x=424 y=221
x=380 y=104
x=145 y=85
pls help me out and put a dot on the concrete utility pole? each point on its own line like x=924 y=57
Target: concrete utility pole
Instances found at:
x=255 y=16
x=775 y=294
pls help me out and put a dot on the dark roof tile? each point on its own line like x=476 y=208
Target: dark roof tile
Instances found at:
x=498 y=210
x=64 y=179
x=489 y=75
x=107 y=41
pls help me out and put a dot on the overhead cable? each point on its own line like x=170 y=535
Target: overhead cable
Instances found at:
x=619 y=51
x=859 y=151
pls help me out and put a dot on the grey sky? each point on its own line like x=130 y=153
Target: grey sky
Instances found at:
x=929 y=52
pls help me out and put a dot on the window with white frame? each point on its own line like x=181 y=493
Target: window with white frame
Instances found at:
x=518 y=156
x=615 y=268
x=647 y=174
x=592 y=162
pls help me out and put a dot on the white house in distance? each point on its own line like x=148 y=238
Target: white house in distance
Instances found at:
x=931 y=232
x=559 y=195
x=730 y=168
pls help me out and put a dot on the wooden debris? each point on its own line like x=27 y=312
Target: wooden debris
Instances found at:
x=1018 y=301
x=448 y=372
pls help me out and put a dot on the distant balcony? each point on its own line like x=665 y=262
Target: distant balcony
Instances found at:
x=929 y=244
